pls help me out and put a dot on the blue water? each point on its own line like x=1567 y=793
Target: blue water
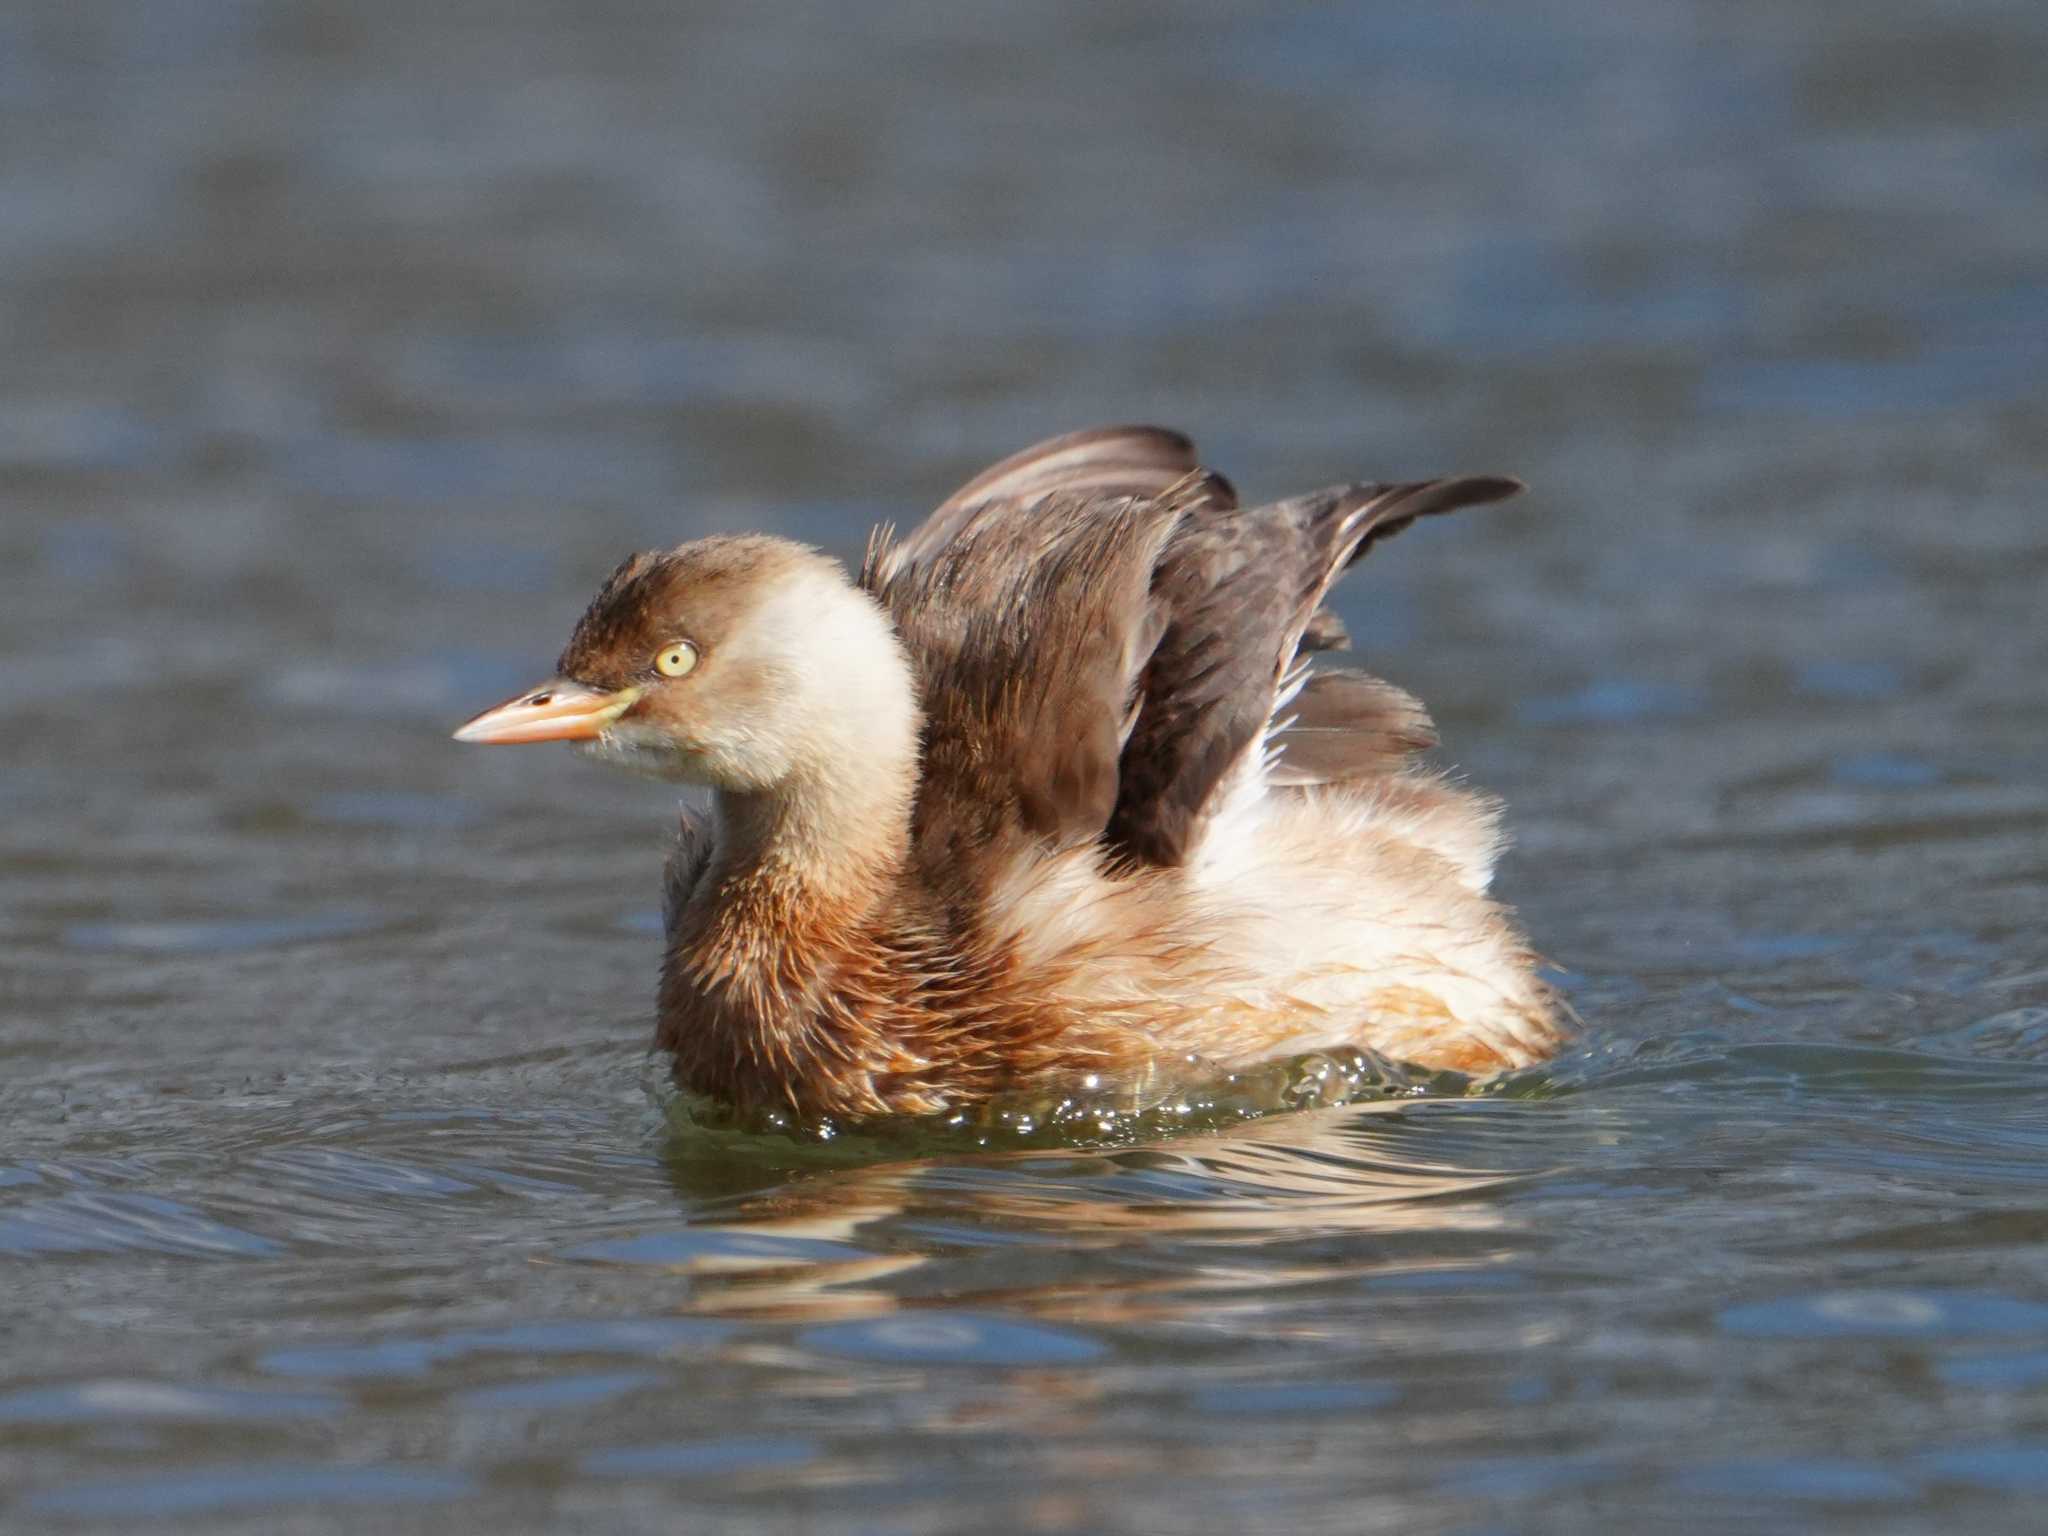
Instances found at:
x=347 y=348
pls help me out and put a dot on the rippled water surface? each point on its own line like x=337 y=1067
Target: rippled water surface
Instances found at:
x=348 y=345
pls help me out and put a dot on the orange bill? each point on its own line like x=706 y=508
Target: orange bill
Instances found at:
x=558 y=710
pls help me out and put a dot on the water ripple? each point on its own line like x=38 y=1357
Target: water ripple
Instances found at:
x=93 y=1221
x=228 y=1490
x=951 y=1338
x=416 y=1355
x=220 y=936
x=115 y=1402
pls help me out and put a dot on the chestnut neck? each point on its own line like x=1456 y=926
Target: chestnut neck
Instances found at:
x=800 y=870
x=824 y=844
x=805 y=870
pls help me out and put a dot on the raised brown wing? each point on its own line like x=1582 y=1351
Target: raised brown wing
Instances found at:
x=1025 y=602
x=1029 y=626
x=1101 y=461
x=1239 y=588
x=1102 y=634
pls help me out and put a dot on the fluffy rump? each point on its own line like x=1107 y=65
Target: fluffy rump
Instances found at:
x=1343 y=915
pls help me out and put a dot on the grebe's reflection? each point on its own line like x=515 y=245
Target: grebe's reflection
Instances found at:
x=1291 y=1200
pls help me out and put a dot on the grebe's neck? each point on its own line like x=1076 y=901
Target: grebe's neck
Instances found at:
x=795 y=897
x=816 y=850
x=829 y=845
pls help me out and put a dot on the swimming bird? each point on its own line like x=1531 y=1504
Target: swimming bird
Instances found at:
x=1057 y=786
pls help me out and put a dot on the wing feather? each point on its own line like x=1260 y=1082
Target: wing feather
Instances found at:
x=1103 y=636
x=1241 y=588
x=1344 y=727
x=1102 y=461
x=1029 y=628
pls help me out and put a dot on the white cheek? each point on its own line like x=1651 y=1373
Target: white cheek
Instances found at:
x=731 y=759
x=844 y=690
x=641 y=749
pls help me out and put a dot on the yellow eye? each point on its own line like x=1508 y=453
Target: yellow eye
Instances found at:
x=675 y=660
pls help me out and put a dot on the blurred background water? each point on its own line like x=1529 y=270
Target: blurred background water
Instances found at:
x=348 y=345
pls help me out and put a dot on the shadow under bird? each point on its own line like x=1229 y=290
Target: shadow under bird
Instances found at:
x=1054 y=787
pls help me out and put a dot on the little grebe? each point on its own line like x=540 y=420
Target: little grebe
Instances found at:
x=1052 y=789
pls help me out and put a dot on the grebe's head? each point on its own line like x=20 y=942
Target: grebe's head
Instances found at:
x=737 y=662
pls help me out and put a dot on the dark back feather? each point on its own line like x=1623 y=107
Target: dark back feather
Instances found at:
x=1345 y=727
